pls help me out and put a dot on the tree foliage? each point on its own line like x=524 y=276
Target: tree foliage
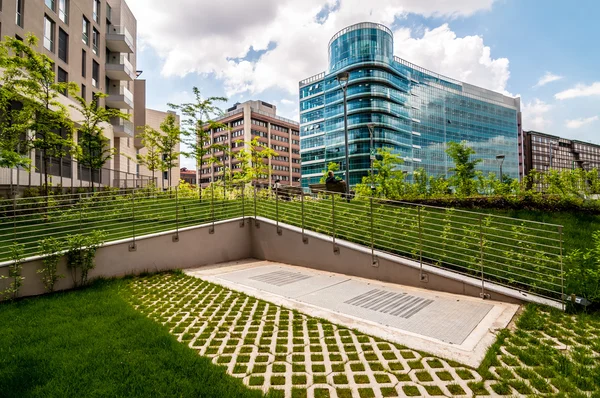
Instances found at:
x=151 y=141
x=464 y=167
x=198 y=119
x=253 y=161
x=168 y=142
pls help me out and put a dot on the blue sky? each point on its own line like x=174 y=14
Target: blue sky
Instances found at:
x=261 y=49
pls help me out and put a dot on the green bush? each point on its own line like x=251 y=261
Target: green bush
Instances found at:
x=51 y=249
x=582 y=271
x=81 y=251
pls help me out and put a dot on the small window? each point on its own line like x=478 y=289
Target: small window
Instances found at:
x=48 y=34
x=63 y=10
x=63 y=45
x=86 y=31
x=95 y=41
x=95 y=74
x=96 y=10
x=51 y=4
x=19 y=14
x=62 y=77
x=83 y=63
x=84 y=92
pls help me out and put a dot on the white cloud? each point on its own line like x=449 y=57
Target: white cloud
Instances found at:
x=287 y=102
x=577 y=123
x=549 y=77
x=463 y=58
x=580 y=90
x=535 y=115
x=206 y=37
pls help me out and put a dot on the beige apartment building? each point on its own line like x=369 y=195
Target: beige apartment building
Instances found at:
x=256 y=119
x=93 y=43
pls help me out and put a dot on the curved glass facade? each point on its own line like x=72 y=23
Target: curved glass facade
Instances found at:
x=415 y=112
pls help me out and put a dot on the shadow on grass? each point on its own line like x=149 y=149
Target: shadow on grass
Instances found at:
x=91 y=342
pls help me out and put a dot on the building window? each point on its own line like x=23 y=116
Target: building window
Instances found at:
x=48 y=34
x=83 y=92
x=95 y=74
x=19 y=15
x=95 y=41
x=63 y=77
x=86 y=31
x=63 y=10
x=63 y=45
x=83 y=63
x=51 y=4
x=96 y=10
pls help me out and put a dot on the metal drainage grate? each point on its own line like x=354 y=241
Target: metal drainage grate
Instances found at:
x=397 y=304
x=280 y=278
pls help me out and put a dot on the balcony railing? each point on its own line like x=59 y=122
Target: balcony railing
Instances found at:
x=118 y=39
x=120 y=97
x=122 y=127
x=119 y=68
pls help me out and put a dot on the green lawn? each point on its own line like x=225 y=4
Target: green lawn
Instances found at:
x=91 y=342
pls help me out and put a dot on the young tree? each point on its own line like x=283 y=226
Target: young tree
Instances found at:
x=151 y=142
x=198 y=121
x=93 y=147
x=33 y=80
x=387 y=176
x=253 y=163
x=464 y=167
x=168 y=143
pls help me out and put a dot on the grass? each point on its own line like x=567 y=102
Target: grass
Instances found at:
x=91 y=342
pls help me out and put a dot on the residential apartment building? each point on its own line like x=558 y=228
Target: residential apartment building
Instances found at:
x=543 y=152
x=413 y=111
x=93 y=43
x=256 y=119
x=189 y=176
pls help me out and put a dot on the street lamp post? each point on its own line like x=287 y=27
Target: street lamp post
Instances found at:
x=501 y=159
x=371 y=127
x=342 y=79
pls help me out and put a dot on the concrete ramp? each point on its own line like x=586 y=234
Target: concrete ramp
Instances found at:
x=452 y=326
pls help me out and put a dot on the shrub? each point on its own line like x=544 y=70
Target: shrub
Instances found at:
x=582 y=271
x=14 y=272
x=51 y=249
x=81 y=251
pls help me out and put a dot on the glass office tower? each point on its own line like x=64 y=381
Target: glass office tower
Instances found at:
x=414 y=112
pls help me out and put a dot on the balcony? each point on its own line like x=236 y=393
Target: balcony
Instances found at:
x=120 y=98
x=122 y=128
x=119 y=40
x=118 y=67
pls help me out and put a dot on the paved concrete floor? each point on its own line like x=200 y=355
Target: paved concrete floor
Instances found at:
x=451 y=326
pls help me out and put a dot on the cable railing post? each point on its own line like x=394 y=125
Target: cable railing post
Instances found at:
x=211 y=230
x=256 y=223
x=132 y=246
x=374 y=260
x=80 y=213
x=242 y=223
x=279 y=231
x=176 y=237
x=304 y=237
x=483 y=294
x=562 y=275
x=14 y=219
x=421 y=277
x=336 y=249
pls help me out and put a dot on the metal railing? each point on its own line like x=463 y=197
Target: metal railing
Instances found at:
x=518 y=254
x=67 y=175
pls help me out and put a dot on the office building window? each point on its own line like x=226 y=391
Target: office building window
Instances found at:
x=86 y=31
x=95 y=41
x=96 y=10
x=95 y=74
x=19 y=15
x=63 y=45
x=63 y=10
x=62 y=77
x=83 y=92
x=83 y=63
x=48 y=34
x=51 y=4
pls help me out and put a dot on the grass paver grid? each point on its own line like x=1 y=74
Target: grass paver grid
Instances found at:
x=270 y=347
